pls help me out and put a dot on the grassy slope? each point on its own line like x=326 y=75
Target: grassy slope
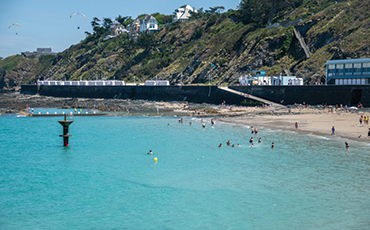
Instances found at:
x=178 y=54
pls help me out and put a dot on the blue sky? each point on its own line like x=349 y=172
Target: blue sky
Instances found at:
x=46 y=23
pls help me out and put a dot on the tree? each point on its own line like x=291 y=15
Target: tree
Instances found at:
x=87 y=33
x=107 y=22
x=216 y=9
x=146 y=41
x=263 y=11
x=95 y=22
x=121 y=19
x=197 y=33
x=129 y=48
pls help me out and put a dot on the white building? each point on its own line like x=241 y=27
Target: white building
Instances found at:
x=149 y=23
x=157 y=83
x=183 y=14
x=84 y=83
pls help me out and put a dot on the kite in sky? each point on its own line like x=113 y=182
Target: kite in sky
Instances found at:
x=14 y=24
x=77 y=13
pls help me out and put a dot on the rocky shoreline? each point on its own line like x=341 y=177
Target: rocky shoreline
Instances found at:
x=14 y=102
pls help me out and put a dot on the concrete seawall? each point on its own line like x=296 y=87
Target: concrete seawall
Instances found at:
x=196 y=94
x=330 y=94
x=313 y=95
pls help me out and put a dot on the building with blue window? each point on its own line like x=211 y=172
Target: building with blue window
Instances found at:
x=348 y=72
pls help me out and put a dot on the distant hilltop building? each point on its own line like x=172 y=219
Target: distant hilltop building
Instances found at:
x=115 y=29
x=39 y=52
x=134 y=27
x=149 y=23
x=183 y=14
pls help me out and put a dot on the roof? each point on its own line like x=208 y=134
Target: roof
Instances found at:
x=348 y=61
x=147 y=18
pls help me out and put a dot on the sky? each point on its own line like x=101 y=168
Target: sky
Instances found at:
x=47 y=23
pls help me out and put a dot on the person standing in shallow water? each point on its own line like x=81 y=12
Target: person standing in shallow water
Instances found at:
x=273 y=145
x=347 y=145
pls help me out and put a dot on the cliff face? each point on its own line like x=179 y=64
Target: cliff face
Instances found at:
x=216 y=48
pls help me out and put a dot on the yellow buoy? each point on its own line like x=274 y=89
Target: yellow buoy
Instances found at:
x=155 y=159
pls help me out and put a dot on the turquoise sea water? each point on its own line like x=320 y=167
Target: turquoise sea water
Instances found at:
x=106 y=179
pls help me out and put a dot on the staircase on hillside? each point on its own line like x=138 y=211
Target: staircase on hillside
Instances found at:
x=251 y=97
x=302 y=42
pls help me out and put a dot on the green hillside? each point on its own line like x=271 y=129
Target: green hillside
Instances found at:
x=235 y=42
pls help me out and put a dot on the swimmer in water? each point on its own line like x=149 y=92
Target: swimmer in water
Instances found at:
x=238 y=145
x=189 y=123
x=150 y=152
x=260 y=140
x=251 y=140
x=220 y=145
x=251 y=145
x=233 y=146
x=228 y=143
x=212 y=122
x=204 y=125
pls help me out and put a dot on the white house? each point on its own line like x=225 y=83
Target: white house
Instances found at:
x=183 y=14
x=149 y=23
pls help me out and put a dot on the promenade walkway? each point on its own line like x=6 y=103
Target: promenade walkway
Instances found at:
x=274 y=104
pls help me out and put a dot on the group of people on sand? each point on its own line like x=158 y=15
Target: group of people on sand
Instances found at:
x=364 y=119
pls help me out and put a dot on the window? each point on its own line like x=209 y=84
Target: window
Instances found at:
x=348 y=69
x=366 y=68
x=339 y=69
x=357 y=69
x=331 y=70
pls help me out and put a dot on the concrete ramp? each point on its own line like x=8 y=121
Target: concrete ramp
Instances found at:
x=251 y=97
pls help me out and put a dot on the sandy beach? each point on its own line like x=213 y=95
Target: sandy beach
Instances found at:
x=313 y=120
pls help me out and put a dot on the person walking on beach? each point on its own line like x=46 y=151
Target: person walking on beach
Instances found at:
x=347 y=145
x=361 y=120
x=296 y=126
x=333 y=131
x=368 y=134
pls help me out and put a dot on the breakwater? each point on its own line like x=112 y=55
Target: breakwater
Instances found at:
x=195 y=94
x=330 y=94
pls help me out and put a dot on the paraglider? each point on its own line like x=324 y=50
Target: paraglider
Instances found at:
x=14 y=24
x=77 y=13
